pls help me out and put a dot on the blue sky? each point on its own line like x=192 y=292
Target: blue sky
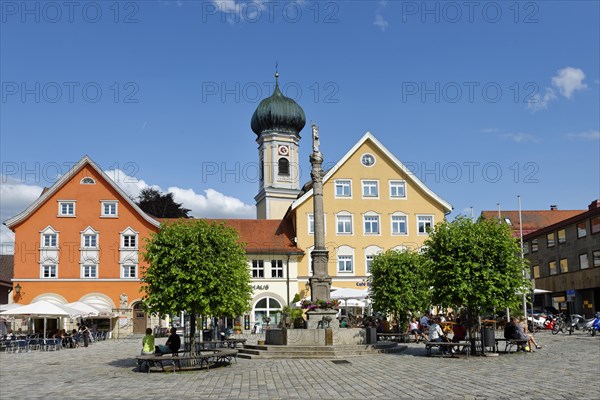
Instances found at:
x=483 y=101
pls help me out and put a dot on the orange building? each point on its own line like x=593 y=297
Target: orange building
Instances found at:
x=80 y=241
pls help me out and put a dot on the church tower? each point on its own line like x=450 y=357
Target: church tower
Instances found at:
x=277 y=123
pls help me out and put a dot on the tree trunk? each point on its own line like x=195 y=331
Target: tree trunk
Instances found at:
x=193 y=332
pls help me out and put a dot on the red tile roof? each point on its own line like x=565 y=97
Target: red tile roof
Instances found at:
x=533 y=220
x=270 y=236
x=7 y=265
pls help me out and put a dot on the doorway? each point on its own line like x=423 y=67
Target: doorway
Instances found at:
x=140 y=318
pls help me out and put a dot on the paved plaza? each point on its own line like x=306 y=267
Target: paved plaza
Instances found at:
x=568 y=367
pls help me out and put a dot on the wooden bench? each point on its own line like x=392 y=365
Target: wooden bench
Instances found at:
x=445 y=347
x=232 y=343
x=394 y=337
x=203 y=357
x=510 y=343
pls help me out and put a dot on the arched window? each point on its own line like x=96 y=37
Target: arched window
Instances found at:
x=284 y=166
x=267 y=307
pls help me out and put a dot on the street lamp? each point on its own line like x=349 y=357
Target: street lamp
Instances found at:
x=18 y=289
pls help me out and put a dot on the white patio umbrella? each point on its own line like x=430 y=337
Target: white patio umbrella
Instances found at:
x=43 y=309
x=85 y=309
x=349 y=293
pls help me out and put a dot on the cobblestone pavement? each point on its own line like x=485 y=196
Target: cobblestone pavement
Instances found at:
x=568 y=367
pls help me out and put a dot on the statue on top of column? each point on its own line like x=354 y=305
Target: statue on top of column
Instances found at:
x=315 y=136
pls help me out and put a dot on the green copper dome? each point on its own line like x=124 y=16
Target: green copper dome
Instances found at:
x=279 y=114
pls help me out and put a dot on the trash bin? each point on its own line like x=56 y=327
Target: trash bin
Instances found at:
x=371 y=335
x=488 y=338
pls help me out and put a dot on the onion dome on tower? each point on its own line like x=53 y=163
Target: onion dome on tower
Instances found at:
x=278 y=113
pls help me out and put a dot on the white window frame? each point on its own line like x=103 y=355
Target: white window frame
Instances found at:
x=82 y=181
x=125 y=244
x=369 y=184
x=50 y=267
x=84 y=240
x=392 y=223
x=345 y=258
x=362 y=159
x=277 y=269
x=49 y=236
x=422 y=218
x=337 y=222
x=374 y=218
x=112 y=204
x=128 y=267
x=368 y=257
x=394 y=184
x=91 y=267
x=343 y=183
x=257 y=266
x=72 y=203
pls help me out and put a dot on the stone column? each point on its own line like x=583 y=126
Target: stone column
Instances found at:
x=320 y=282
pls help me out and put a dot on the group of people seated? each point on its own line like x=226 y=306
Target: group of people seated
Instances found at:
x=172 y=345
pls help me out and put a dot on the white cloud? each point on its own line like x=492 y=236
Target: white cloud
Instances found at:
x=380 y=22
x=521 y=137
x=538 y=102
x=15 y=197
x=569 y=80
x=130 y=185
x=585 y=136
x=213 y=204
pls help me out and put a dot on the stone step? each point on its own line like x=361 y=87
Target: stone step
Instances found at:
x=312 y=352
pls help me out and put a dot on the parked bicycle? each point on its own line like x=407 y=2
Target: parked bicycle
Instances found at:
x=560 y=325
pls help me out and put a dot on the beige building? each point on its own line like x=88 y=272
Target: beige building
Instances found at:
x=372 y=204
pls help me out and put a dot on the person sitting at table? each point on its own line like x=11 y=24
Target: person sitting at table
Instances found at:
x=385 y=325
x=524 y=335
x=173 y=343
x=148 y=342
x=459 y=331
x=413 y=328
x=436 y=334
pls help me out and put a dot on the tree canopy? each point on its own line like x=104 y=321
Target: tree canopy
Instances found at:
x=475 y=264
x=160 y=205
x=197 y=267
x=399 y=283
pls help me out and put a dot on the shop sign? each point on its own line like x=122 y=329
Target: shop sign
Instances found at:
x=260 y=287
x=363 y=283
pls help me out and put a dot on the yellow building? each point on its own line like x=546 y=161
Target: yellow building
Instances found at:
x=372 y=204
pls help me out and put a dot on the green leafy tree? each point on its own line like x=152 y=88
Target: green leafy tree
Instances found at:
x=398 y=284
x=159 y=205
x=197 y=267
x=476 y=265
